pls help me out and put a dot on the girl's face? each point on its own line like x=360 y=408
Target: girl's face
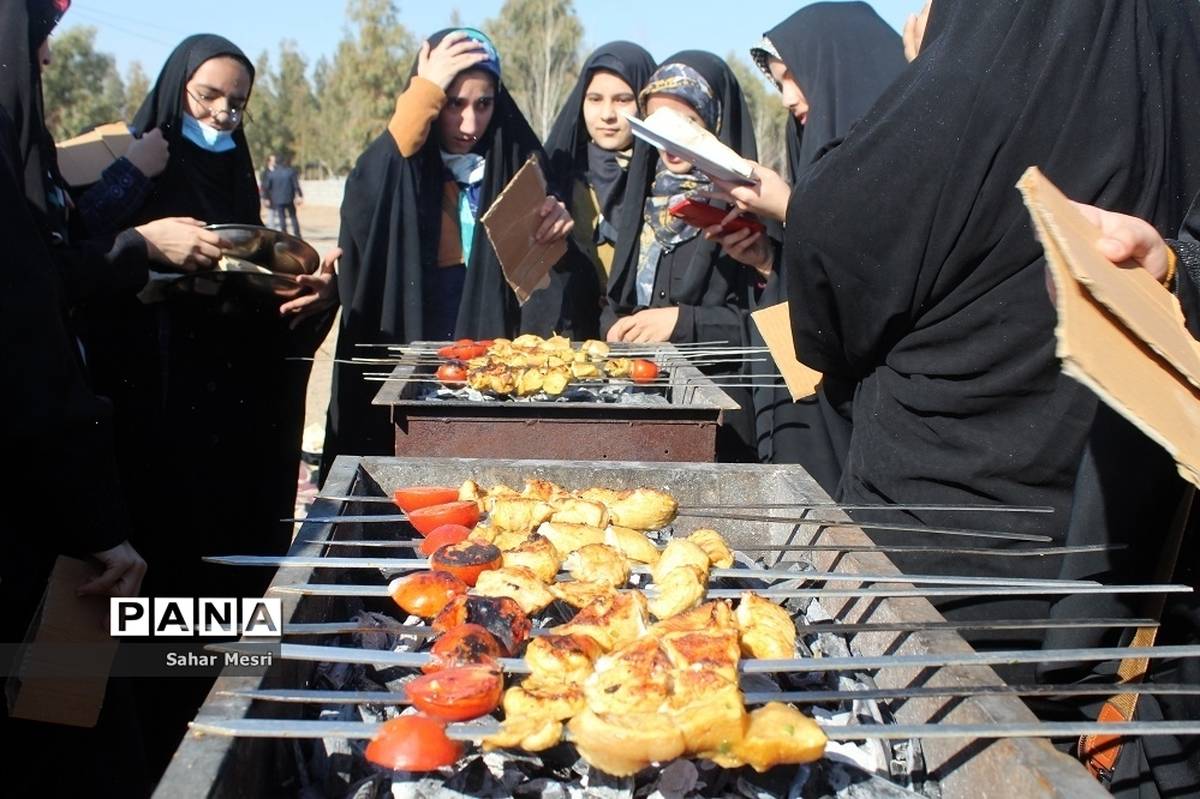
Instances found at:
x=217 y=93
x=470 y=103
x=657 y=101
x=607 y=95
x=793 y=98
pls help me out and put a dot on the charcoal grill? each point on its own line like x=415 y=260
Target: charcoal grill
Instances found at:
x=228 y=767
x=677 y=422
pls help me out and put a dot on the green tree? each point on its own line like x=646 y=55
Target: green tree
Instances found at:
x=266 y=126
x=137 y=86
x=539 y=42
x=82 y=87
x=357 y=89
x=769 y=115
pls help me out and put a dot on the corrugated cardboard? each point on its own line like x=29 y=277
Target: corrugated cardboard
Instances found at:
x=775 y=325
x=83 y=159
x=511 y=222
x=72 y=627
x=1119 y=331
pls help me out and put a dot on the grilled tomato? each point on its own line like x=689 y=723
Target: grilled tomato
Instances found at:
x=443 y=536
x=643 y=371
x=458 y=693
x=466 y=560
x=426 y=594
x=452 y=374
x=464 y=645
x=426 y=520
x=413 y=498
x=413 y=743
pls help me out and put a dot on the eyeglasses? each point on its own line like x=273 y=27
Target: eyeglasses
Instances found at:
x=238 y=115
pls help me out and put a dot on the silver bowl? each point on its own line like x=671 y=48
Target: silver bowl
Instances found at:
x=259 y=262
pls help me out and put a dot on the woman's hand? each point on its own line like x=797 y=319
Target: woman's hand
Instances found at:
x=321 y=294
x=644 y=327
x=149 y=153
x=122 y=576
x=749 y=247
x=914 y=31
x=182 y=242
x=1128 y=241
x=767 y=198
x=452 y=55
x=556 y=221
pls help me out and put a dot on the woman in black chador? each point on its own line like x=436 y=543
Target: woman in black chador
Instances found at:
x=417 y=263
x=912 y=267
x=668 y=282
x=591 y=144
x=831 y=62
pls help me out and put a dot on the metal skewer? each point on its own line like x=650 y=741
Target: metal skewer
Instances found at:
x=1038 y=552
x=837 y=628
x=381 y=591
x=375 y=657
x=415 y=564
x=796 y=520
x=315 y=697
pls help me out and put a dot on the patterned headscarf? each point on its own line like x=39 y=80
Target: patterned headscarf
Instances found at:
x=686 y=84
x=492 y=62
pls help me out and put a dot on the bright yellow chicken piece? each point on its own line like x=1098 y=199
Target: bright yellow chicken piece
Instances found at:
x=518 y=514
x=715 y=615
x=569 y=510
x=598 y=563
x=618 y=367
x=639 y=509
x=594 y=348
x=634 y=544
x=537 y=554
x=623 y=745
x=567 y=538
x=529 y=382
x=548 y=700
x=527 y=734
x=767 y=631
x=679 y=553
x=581 y=593
x=528 y=341
x=612 y=621
x=568 y=658
x=777 y=734
x=714 y=546
x=556 y=380
x=714 y=652
x=585 y=371
x=545 y=490
x=518 y=584
x=637 y=678
x=713 y=719
x=677 y=591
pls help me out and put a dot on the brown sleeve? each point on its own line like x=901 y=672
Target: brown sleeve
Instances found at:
x=415 y=111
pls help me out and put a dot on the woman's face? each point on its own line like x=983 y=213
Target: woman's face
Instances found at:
x=657 y=101
x=217 y=93
x=470 y=103
x=793 y=98
x=607 y=96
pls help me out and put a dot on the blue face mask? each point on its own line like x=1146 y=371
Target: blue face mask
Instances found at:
x=206 y=137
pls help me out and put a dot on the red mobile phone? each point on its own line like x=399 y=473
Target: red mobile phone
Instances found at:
x=700 y=214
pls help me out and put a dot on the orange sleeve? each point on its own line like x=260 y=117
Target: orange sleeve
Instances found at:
x=416 y=109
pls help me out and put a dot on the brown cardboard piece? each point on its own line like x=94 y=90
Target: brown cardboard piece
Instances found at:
x=83 y=159
x=69 y=626
x=775 y=325
x=511 y=222
x=1119 y=331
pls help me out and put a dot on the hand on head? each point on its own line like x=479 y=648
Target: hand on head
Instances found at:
x=452 y=55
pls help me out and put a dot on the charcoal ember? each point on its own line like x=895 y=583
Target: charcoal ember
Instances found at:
x=512 y=769
x=337 y=676
x=543 y=788
x=373 y=787
x=772 y=784
x=471 y=778
x=837 y=780
x=677 y=780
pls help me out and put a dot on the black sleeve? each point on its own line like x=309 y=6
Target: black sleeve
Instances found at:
x=56 y=429
x=97 y=267
x=723 y=311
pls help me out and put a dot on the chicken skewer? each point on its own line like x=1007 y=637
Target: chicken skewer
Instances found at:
x=413 y=564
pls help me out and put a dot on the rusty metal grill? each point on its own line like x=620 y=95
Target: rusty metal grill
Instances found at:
x=226 y=767
x=681 y=426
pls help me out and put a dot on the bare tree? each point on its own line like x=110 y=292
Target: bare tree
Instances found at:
x=539 y=43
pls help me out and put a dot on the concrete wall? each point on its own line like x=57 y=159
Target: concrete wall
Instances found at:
x=324 y=192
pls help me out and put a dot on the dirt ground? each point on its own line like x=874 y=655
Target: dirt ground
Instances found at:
x=319 y=227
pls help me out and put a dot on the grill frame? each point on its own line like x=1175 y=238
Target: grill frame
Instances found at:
x=682 y=430
x=224 y=767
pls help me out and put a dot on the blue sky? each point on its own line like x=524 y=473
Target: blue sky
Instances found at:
x=147 y=30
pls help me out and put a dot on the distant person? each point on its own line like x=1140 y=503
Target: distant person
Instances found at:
x=281 y=192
